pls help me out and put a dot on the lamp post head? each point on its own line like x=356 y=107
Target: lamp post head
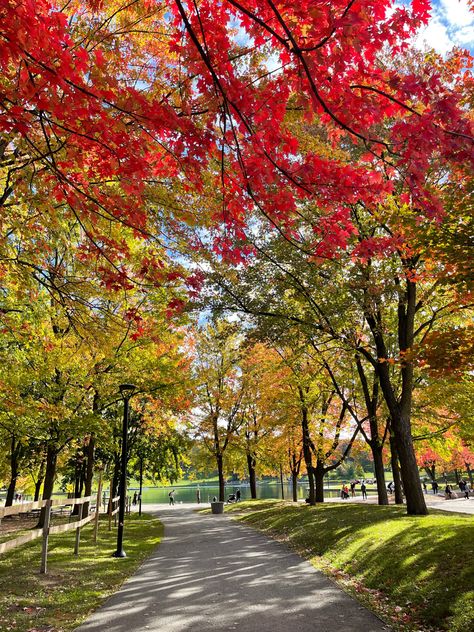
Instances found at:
x=126 y=390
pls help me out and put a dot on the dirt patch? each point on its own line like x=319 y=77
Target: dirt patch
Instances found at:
x=12 y=524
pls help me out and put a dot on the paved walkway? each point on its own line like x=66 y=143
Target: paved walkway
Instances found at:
x=211 y=574
x=457 y=505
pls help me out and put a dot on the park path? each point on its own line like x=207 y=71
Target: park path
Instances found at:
x=213 y=574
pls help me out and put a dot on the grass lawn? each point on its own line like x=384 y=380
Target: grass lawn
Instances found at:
x=74 y=586
x=417 y=573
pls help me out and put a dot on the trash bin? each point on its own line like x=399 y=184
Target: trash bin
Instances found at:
x=217 y=507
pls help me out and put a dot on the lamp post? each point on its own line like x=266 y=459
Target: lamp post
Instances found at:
x=126 y=390
x=141 y=486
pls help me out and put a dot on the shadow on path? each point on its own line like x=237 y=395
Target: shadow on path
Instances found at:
x=212 y=574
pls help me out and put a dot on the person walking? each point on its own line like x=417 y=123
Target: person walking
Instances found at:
x=434 y=485
x=463 y=486
x=237 y=496
x=363 y=489
x=198 y=496
x=171 y=496
x=353 y=486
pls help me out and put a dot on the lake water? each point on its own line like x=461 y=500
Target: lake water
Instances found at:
x=271 y=489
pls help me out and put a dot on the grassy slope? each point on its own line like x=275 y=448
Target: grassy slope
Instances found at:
x=73 y=586
x=415 y=572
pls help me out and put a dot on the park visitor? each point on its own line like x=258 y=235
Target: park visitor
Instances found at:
x=171 y=497
x=363 y=489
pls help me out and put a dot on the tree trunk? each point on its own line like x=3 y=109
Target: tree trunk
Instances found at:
x=49 y=477
x=379 y=473
x=431 y=471
x=319 y=472
x=38 y=484
x=456 y=474
x=416 y=505
x=400 y=408
x=39 y=480
x=220 y=471
x=251 y=462
x=281 y=484
x=14 y=470
x=89 y=473
x=397 y=481
x=469 y=473
x=294 y=486
x=307 y=455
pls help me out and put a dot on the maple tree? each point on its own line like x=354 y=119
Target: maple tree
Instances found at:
x=220 y=392
x=136 y=120
x=262 y=410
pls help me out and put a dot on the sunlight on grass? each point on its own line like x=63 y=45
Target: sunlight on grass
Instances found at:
x=413 y=571
x=74 y=586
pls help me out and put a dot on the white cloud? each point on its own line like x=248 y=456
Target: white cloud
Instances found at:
x=451 y=24
x=435 y=35
x=456 y=12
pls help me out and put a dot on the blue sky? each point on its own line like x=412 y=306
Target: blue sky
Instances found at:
x=451 y=24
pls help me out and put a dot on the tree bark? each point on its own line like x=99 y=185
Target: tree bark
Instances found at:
x=281 y=483
x=294 y=486
x=49 y=478
x=431 y=471
x=251 y=463
x=469 y=473
x=15 y=452
x=379 y=474
x=397 y=481
x=38 y=484
x=319 y=472
x=307 y=454
x=400 y=408
x=220 y=472
x=39 y=480
x=89 y=473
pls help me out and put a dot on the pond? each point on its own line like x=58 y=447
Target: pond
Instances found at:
x=266 y=489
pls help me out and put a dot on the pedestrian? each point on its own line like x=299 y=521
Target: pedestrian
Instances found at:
x=434 y=485
x=363 y=489
x=424 y=487
x=448 y=492
x=171 y=496
x=237 y=495
x=135 y=497
x=466 y=490
x=463 y=486
x=198 y=496
x=353 y=486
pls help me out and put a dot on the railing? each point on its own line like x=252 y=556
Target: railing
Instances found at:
x=48 y=530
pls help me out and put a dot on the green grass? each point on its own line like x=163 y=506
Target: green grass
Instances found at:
x=417 y=573
x=74 y=586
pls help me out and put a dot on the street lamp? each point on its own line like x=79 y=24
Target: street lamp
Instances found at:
x=126 y=390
